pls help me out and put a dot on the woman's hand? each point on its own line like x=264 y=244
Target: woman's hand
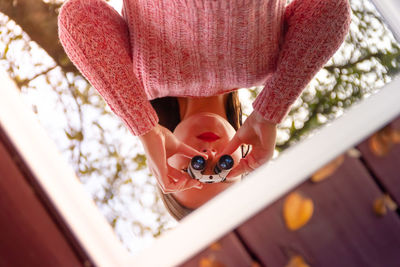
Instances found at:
x=160 y=144
x=261 y=135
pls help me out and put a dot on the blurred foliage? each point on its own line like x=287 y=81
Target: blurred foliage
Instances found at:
x=108 y=160
x=368 y=59
x=111 y=163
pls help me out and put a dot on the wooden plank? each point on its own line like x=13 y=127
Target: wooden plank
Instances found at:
x=228 y=251
x=343 y=231
x=386 y=168
x=29 y=235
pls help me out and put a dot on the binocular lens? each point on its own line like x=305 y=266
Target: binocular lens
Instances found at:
x=198 y=163
x=225 y=162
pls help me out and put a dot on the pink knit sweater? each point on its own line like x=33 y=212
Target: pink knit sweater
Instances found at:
x=199 y=48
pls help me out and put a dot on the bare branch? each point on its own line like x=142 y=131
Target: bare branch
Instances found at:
x=39 y=21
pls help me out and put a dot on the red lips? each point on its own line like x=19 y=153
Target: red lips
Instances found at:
x=208 y=137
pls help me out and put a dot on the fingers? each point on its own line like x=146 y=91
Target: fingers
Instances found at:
x=177 y=181
x=181 y=185
x=182 y=180
x=189 y=151
x=185 y=184
x=231 y=146
x=241 y=168
x=174 y=146
x=245 y=165
x=161 y=144
x=176 y=174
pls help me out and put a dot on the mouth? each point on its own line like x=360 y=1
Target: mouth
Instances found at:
x=208 y=137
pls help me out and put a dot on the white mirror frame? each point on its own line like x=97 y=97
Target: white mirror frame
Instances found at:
x=220 y=215
x=57 y=179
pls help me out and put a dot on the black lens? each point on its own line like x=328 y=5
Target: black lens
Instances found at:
x=198 y=163
x=225 y=162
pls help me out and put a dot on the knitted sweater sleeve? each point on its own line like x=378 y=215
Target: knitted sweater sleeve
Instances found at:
x=314 y=30
x=96 y=39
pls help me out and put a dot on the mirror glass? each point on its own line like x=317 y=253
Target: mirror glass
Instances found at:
x=111 y=163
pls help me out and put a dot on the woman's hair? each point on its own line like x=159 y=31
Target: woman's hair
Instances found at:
x=167 y=109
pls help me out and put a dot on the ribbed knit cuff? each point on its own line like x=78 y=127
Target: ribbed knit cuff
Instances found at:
x=206 y=4
x=141 y=118
x=272 y=103
x=274 y=113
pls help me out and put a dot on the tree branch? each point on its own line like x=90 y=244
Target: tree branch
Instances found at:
x=39 y=21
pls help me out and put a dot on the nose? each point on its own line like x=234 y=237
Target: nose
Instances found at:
x=211 y=153
x=211 y=161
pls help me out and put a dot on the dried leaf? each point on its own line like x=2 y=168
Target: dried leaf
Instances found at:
x=379 y=207
x=327 y=170
x=390 y=204
x=215 y=246
x=379 y=145
x=382 y=204
x=386 y=134
x=210 y=262
x=205 y=262
x=297 y=261
x=354 y=153
x=395 y=136
x=297 y=210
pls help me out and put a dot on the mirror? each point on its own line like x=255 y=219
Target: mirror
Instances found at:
x=111 y=162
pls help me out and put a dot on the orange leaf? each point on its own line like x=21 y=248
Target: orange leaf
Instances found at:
x=382 y=204
x=255 y=264
x=215 y=246
x=390 y=204
x=297 y=210
x=210 y=262
x=379 y=207
x=379 y=145
x=327 y=170
x=354 y=153
x=205 y=262
x=297 y=261
x=395 y=136
x=386 y=134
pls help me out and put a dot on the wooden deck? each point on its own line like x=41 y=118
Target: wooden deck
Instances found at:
x=32 y=232
x=344 y=229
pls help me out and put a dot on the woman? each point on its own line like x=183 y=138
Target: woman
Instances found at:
x=198 y=52
x=212 y=122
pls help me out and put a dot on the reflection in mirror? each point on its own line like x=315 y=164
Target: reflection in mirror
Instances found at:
x=111 y=163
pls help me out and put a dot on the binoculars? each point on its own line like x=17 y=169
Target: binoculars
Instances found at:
x=198 y=164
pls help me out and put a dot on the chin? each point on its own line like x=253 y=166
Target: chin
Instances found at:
x=194 y=198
